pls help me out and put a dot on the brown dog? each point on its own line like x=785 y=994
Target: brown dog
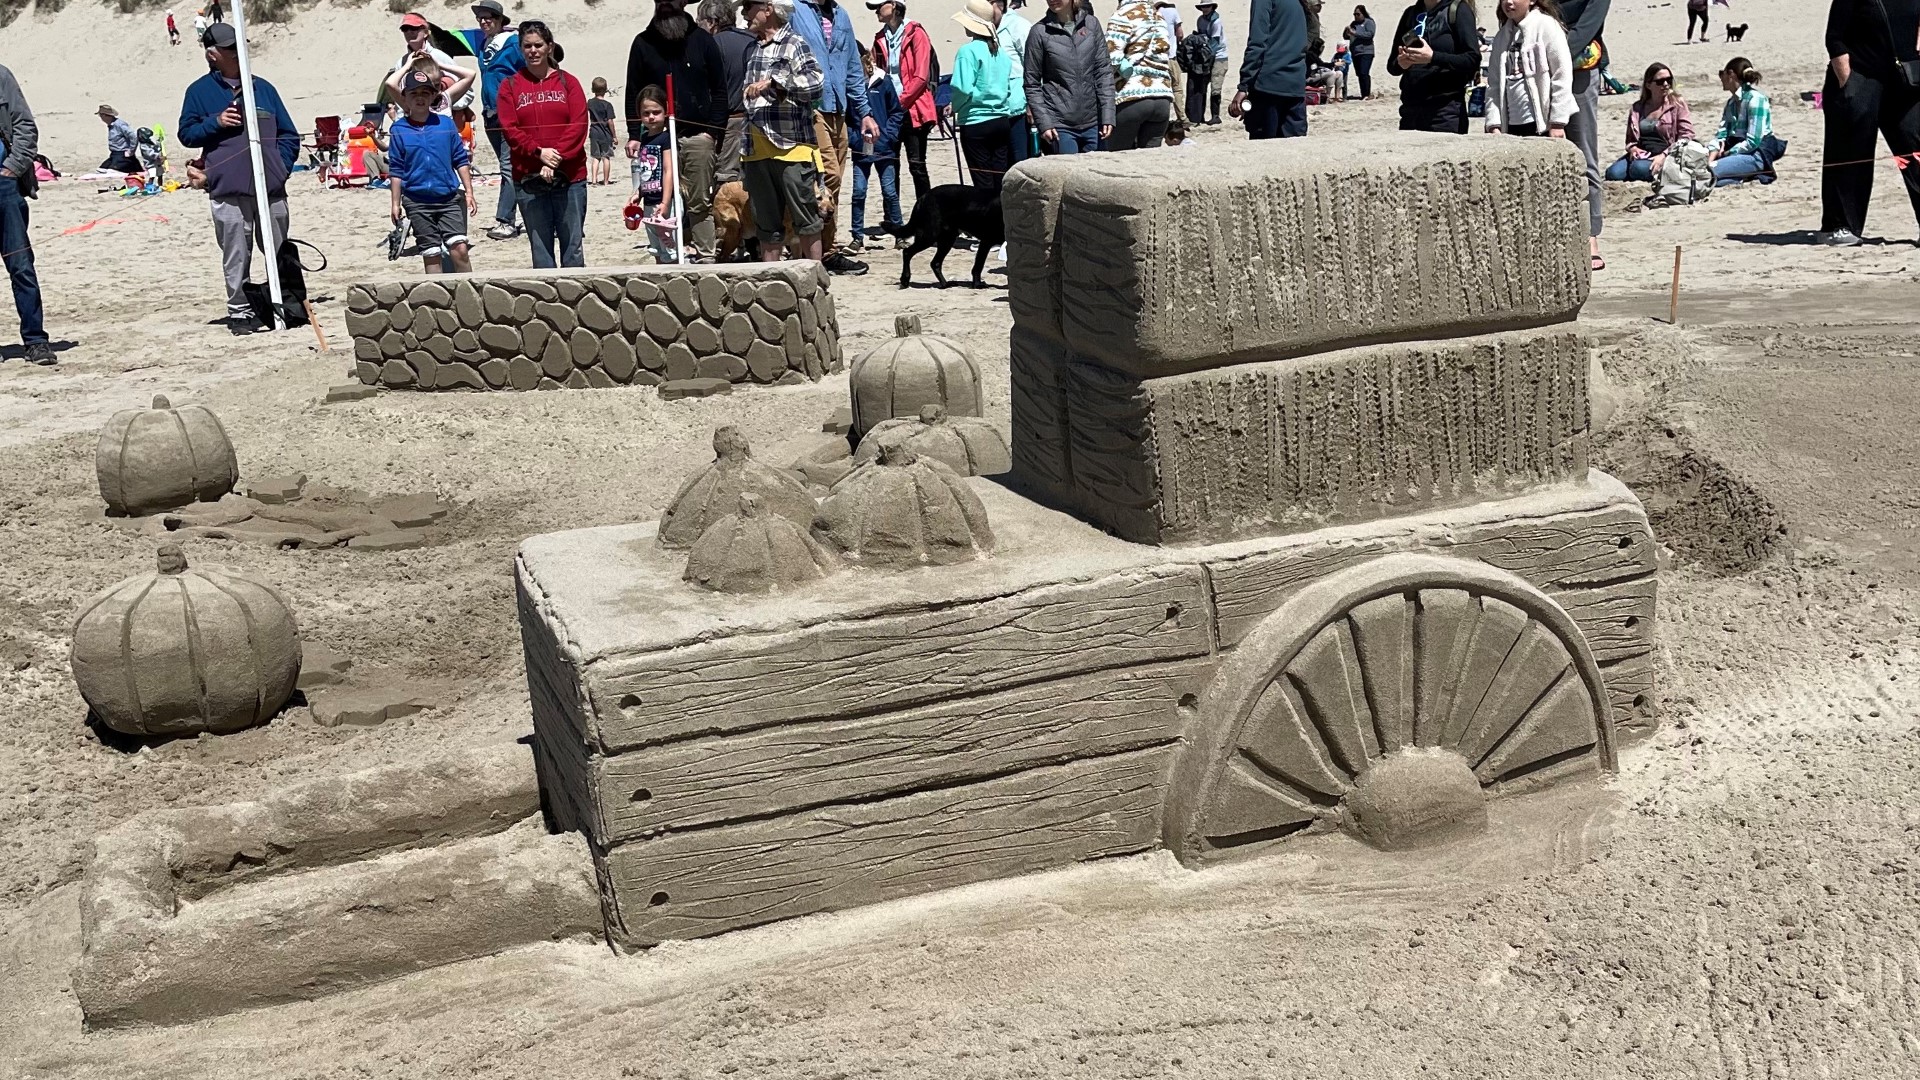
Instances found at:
x=733 y=218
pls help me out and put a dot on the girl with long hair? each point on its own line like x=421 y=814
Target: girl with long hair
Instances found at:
x=543 y=113
x=1658 y=121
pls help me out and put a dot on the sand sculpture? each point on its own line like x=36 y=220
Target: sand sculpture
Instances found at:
x=762 y=323
x=900 y=377
x=714 y=492
x=1399 y=590
x=755 y=551
x=968 y=445
x=149 y=460
x=182 y=651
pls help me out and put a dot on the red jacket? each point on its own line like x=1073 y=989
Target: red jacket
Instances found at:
x=549 y=113
x=916 y=69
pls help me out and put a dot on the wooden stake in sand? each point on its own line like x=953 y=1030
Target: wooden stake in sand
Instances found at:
x=315 y=323
x=1673 y=297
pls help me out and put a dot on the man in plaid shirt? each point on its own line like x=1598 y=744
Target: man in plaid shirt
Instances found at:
x=779 y=167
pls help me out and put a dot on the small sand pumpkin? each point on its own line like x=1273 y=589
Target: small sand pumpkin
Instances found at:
x=752 y=551
x=180 y=652
x=900 y=377
x=149 y=460
x=968 y=445
x=714 y=492
x=905 y=510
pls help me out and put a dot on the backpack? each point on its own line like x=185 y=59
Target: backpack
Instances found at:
x=1685 y=178
x=1195 y=56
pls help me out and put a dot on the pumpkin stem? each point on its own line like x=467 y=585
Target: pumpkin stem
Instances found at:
x=933 y=414
x=906 y=325
x=751 y=505
x=172 y=560
x=160 y=402
x=728 y=443
x=896 y=453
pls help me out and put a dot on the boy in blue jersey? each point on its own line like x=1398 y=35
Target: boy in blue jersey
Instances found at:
x=432 y=177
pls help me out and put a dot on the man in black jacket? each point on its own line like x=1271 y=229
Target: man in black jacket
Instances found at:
x=674 y=45
x=1436 y=53
x=19 y=142
x=1585 y=20
x=1867 y=41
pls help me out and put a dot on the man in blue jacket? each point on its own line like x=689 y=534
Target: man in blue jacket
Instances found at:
x=213 y=120
x=842 y=106
x=19 y=142
x=1273 y=71
x=499 y=58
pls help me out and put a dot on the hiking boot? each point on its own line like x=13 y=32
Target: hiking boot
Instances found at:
x=503 y=230
x=41 y=353
x=845 y=265
x=242 y=325
x=1837 y=238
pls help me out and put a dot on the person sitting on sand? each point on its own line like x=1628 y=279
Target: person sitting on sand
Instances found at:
x=1658 y=121
x=121 y=142
x=1745 y=147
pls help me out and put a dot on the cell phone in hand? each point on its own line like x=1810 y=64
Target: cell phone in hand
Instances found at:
x=1412 y=41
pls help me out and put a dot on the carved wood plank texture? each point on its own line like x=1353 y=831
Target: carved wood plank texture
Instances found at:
x=798 y=766
x=839 y=668
x=710 y=881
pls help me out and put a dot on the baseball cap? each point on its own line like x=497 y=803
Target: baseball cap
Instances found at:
x=219 y=36
x=418 y=80
x=414 y=19
x=491 y=7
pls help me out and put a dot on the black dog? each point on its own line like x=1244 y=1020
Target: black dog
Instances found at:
x=939 y=219
x=1736 y=33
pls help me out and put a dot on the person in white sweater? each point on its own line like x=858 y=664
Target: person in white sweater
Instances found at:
x=1530 y=71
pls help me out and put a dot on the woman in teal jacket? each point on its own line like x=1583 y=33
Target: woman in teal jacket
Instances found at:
x=987 y=99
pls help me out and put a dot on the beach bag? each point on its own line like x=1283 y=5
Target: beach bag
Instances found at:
x=1684 y=179
x=293 y=289
x=1196 y=54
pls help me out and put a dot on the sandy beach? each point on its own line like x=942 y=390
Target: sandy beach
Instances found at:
x=1742 y=900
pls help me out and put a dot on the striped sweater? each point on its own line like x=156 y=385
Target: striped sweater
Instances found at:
x=1142 y=55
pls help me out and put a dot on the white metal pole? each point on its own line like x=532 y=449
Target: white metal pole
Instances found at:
x=679 y=211
x=262 y=202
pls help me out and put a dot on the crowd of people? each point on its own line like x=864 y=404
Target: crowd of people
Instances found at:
x=787 y=99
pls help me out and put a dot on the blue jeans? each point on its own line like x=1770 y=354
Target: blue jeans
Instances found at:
x=1631 y=169
x=17 y=246
x=1736 y=169
x=555 y=222
x=889 y=170
x=1271 y=117
x=496 y=138
x=1069 y=141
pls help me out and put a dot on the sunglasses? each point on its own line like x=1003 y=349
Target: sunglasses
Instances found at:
x=1668 y=81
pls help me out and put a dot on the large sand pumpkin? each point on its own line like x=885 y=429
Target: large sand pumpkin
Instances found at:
x=968 y=445
x=904 y=510
x=901 y=377
x=179 y=651
x=149 y=460
x=714 y=492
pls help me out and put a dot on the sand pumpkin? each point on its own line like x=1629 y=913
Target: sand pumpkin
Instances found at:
x=183 y=651
x=149 y=460
x=753 y=551
x=902 y=376
x=905 y=510
x=714 y=492
x=968 y=445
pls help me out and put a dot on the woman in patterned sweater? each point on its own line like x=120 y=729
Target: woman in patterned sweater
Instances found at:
x=1143 y=76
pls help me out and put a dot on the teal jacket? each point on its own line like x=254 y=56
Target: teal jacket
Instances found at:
x=983 y=85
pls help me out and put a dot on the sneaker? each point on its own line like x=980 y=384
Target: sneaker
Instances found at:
x=1837 y=238
x=242 y=325
x=377 y=185
x=855 y=246
x=41 y=353
x=845 y=265
x=504 y=230
x=1000 y=253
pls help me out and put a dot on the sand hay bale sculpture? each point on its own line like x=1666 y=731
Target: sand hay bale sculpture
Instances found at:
x=900 y=377
x=714 y=492
x=161 y=458
x=968 y=445
x=905 y=510
x=753 y=551
x=180 y=651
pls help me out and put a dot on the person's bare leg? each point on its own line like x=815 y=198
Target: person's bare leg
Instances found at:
x=430 y=264
x=461 y=260
x=813 y=247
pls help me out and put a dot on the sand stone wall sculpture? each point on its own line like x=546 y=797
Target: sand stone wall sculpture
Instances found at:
x=149 y=460
x=1269 y=564
x=182 y=651
x=761 y=323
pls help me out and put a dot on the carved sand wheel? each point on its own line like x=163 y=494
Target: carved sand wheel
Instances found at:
x=1384 y=699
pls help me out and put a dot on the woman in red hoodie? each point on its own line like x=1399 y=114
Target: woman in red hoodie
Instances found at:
x=906 y=51
x=543 y=114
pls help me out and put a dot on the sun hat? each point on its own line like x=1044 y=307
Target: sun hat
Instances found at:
x=414 y=19
x=491 y=7
x=976 y=17
x=107 y=111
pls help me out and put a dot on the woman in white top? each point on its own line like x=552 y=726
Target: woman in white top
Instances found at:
x=1530 y=71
